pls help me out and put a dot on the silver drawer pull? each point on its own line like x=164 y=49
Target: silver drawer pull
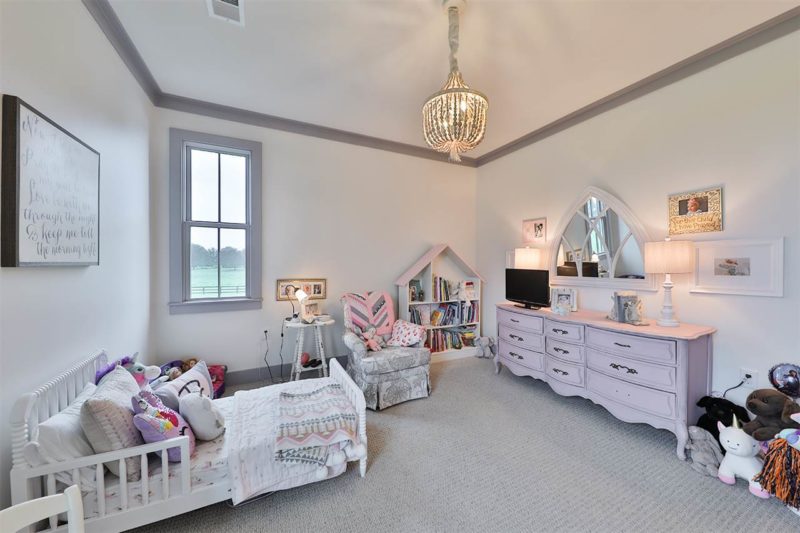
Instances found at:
x=623 y=345
x=517 y=337
x=630 y=370
x=560 y=331
x=562 y=372
x=518 y=356
x=560 y=350
x=514 y=320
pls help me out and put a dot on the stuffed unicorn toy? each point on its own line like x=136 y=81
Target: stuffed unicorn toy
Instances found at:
x=143 y=374
x=740 y=459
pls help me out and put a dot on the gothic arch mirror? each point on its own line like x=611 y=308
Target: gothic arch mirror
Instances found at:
x=599 y=243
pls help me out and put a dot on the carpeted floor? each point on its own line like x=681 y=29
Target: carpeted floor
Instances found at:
x=503 y=453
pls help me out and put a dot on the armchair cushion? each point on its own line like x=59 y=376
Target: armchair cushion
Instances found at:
x=372 y=309
x=394 y=358
x=406 y=334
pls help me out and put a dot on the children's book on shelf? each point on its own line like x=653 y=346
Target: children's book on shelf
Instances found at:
x=451 y=339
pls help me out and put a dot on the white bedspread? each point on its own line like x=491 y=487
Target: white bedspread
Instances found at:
x=251 y=443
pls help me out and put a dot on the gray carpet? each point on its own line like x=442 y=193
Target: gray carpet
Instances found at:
x=503 y=453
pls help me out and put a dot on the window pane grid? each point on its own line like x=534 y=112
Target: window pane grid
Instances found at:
x=217 y=224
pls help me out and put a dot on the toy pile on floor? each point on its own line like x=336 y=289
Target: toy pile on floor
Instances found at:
x=722 y=446
x=175 y=368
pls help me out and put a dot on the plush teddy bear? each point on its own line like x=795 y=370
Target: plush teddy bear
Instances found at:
x=719 y=410
x=486 y=347
x=704 y=451
x=373 y=341
x=773 y=412
x=188 y=364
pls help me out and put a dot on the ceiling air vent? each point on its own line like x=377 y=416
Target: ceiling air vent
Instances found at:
x=230 y=10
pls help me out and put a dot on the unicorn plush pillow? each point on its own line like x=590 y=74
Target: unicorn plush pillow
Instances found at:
x=158 y=422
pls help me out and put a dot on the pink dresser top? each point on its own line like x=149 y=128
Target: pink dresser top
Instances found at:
x=598 y=319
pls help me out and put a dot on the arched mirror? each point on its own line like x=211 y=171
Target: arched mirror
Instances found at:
x=599 y=243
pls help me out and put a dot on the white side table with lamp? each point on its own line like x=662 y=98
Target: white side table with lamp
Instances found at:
x=300 y=327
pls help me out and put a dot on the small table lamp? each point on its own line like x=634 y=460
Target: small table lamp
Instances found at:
x=668 y=257
x=527 y=258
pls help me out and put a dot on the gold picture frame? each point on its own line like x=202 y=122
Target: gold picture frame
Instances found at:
x=316 y=288
x=695 y=212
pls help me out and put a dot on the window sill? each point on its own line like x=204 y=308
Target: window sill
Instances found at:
x=214 y=306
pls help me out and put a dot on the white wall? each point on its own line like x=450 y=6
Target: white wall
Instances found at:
x=735 y=124
x=356 y=216
x=54 y=56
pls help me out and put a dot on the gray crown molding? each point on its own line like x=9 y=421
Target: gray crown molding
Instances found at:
x=244 y=116
x=110 y=24
x=754 y=37
x=776 y=27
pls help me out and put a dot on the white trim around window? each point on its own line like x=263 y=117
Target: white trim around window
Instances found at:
x=182 y=300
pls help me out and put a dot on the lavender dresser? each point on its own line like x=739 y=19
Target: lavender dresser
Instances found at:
x=647 y=374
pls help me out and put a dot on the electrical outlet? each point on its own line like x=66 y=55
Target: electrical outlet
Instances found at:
x=750 y=382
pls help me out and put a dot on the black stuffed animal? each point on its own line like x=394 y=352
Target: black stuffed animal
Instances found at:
x=719 y=410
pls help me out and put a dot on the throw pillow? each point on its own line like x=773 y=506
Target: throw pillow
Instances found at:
x=196 y=379
x=158 y=422
x=373 y=309
x=107 y=419
x=406 y=334
x=61 y=438
x=206 y=420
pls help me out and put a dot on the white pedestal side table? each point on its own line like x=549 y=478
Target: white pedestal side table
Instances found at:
x=301 y=327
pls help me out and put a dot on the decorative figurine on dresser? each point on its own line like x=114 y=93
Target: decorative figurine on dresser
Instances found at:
x=649 y=374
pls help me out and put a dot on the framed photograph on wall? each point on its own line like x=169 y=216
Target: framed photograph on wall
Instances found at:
x=752 y=267
x=563 y=295
x=317 y=288
x=695 y=212
x=534 y=231
x=50 y=192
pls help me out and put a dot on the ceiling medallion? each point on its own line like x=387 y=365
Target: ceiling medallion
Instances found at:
x=454 y=119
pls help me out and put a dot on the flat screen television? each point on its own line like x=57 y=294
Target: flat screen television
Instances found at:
x=530 y=288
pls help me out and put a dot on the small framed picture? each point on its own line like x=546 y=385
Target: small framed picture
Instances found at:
x=534 y=231
x=752 y=267
x=564 y=296
x=315 y=288
x=695 y=212
x=415 y=293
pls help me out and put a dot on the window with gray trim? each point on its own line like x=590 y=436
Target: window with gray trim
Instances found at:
x=215 y=223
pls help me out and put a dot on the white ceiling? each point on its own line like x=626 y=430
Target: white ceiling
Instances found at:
x=368 y=66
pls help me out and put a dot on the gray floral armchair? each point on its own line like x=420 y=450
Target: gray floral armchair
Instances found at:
x=390 y=376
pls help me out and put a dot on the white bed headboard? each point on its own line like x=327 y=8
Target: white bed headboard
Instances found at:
x=48 y=400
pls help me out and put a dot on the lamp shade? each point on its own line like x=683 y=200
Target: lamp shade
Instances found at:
x=668 y=257
x=527 y=258
x=301 y=295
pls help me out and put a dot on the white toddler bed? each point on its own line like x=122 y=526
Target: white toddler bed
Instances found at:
x=125 y=504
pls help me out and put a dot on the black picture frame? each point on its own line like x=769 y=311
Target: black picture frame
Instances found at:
x=10 y=184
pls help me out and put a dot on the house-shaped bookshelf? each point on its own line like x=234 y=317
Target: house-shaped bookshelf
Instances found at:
x=442 y=292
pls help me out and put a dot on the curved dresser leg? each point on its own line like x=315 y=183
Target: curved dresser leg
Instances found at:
x=683 y=437
x=496 y=364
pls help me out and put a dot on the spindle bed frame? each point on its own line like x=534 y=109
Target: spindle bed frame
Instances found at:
x=31 y=482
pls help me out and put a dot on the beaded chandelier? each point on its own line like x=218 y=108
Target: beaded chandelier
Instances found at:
x=454 y=119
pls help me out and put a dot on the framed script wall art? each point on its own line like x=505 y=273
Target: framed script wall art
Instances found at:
x=50 y=192
x=695 y=212
x=746 y=267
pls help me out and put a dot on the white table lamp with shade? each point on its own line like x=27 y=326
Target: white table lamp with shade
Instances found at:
x=528 y=258
x=668 y=257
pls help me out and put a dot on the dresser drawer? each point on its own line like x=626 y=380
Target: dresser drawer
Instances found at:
x=651 y=401
x=563 y=331
x=523 y=339
x=564 y=372
x=659 y=350
x=657 y=376
x=564 y=350
x=521 y=356
x=521 y=322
